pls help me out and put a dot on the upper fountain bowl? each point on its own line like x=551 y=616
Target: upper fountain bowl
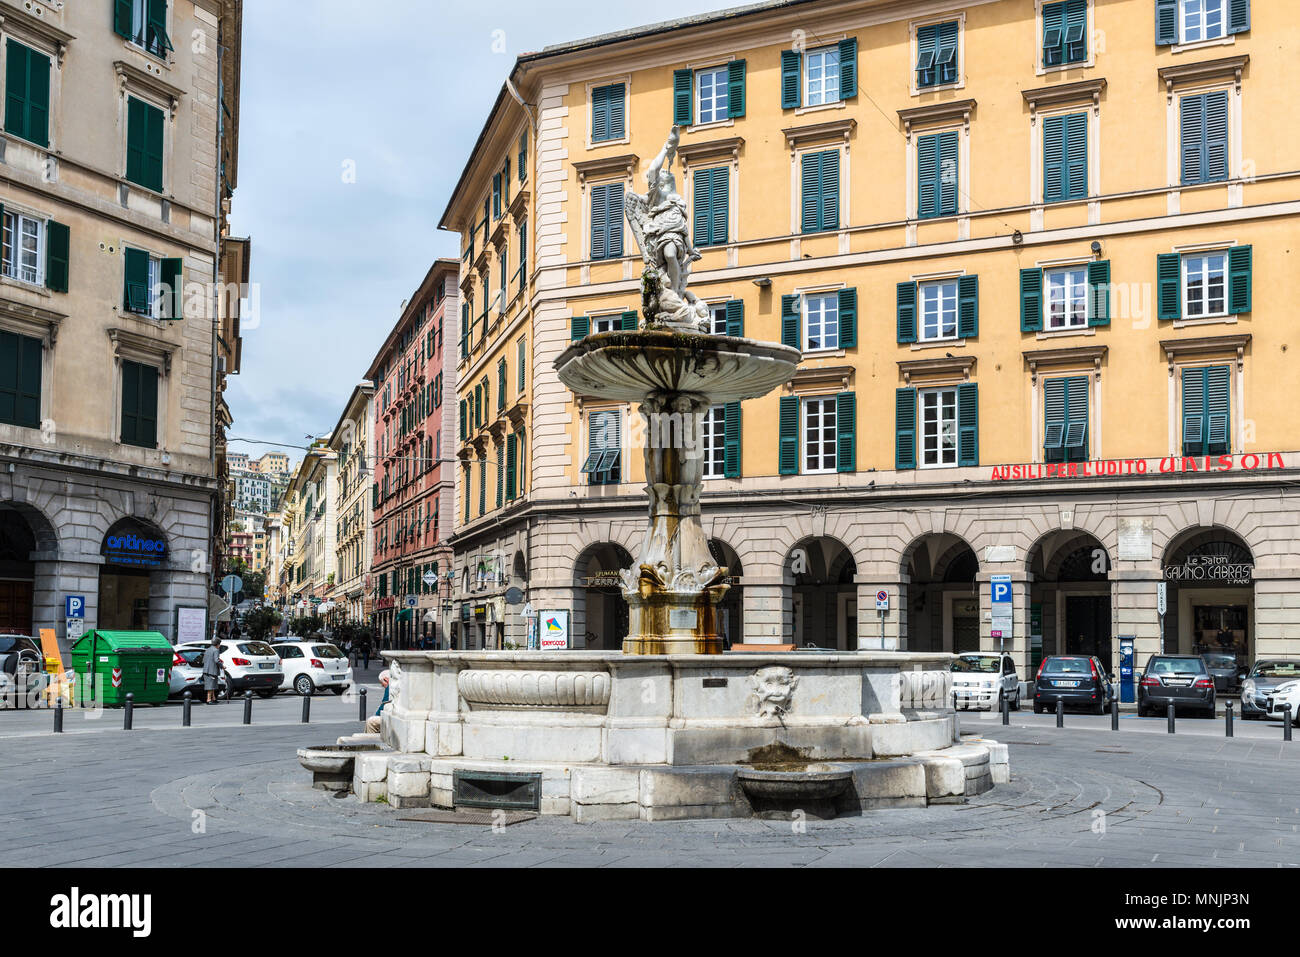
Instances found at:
x=628 y=366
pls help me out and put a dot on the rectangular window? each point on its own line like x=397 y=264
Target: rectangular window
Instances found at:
x=936 y=54
x=23 y=252
x=521 y=381
x=1067 y=298
x=1204 y=285
x=938 y=310
x=1065 y=419
x=20 y=380
x=1203 y=131
x=144 y=144
x=718 y=318
x=27 y=93
x=144 y=23
x=604 y=448
x=936 y=174
x=819 y=434
x=711 y=95
x=607 y=221
x=606 y=323
x=139 y=405
x=608 y=110
x=711 y=189
x=1206 y=419
x=1064 y=26
x=1065 y=157
x=821 y=70
x=821 y=321
x=938 y=428
x=713 y=442
x=821 y=191
x=1203 y=19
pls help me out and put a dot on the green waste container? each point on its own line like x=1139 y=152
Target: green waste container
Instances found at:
x=138 y=662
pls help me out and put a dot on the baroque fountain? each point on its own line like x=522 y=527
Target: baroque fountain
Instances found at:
x=672 y=727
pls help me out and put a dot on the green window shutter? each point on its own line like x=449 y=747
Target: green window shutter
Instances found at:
x=599 y=222
x=1031 y=300
x=1065 y=419
x=464 y=421
x=810 y=191
x=148 y=428
x=20 y=380
x=16 y=73
x=501 y=476
x=578 y=328
x=512 y=465
x=736 y=89
x=788 y=442
x=936 y=162
x=906 y=307
x=496 y=195
x=1216 y=136
x=1239 y=279
x=628 y=321
x=501 y=384
x=157 y=38
x=830 y=190
x=144 y=144
x=849 y=68
x=482 y=486
x=172 y=274
x=968 y=307
x=790 y=62
x=1238 y=16
x=791 y=334
x=1076 y=156
x=968 y=424
x=848 y=310
x=122 y=19
x=905 y=429
x=1076 y=429
x=135 y=296
x=1192 y=137
x=130 y=403
x=1169 y=279
x=683 y=90
x=1166 y=22
x=599 y=114
x=846 y=432
x=1053 y=159
x=27 y=94
x=719 y=205
x=1217 y=419
x=736 y=318
x=1054 y=418
x=1099 y=293
x=1193 y=411
x=731 y=440
x=711 y=187
x=58 y=243
x=947 y=173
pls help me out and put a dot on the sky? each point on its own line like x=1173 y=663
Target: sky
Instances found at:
x=353 y=130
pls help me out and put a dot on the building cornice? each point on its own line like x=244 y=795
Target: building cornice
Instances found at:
x=711 y=149
x=947 y=112
x=624 y=164
x=128 y=73
x=21 y=23
x=796 y=136
x=1063 y=93
x=1071 y=356
x=1224 y=68
x=1176 y=349
x=945 y=367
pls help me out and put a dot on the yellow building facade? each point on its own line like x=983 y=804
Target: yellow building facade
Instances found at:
x=1037 y=257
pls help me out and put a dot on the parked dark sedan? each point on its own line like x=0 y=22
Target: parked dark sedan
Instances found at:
x=1183 y=680
x=1074 y=680
x=1265 y=677
x=1226 y=670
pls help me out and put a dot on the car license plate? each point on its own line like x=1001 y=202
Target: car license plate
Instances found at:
x=1178 y=682
x=1067 y=684
x=266 y=665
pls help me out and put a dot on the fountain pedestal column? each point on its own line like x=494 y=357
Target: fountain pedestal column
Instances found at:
x=674 y=589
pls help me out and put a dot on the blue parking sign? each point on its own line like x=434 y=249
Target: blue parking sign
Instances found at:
x=74 y=606
x=1001 y=591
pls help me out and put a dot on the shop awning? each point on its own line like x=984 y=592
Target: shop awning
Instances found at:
x=403 y=614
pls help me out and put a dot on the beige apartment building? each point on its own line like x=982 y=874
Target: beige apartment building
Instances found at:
x=310 y=517
x=352 y=442
x=117 y=161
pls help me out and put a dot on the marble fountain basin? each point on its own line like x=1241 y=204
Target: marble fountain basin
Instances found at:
x=628 y=366
x=331 y=765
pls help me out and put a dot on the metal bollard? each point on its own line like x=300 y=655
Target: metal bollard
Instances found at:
x=58 y=715
x=1006 y=710
x=306 y=708
x=248 y=707
x=361 y=715
x=1060 y=713
x=1227 y=720
x=127 y=712
x=1170 y=711
x=1286 y=722
x=185 y=709
x=1114 y=714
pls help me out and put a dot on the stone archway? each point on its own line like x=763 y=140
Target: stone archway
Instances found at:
x=940 y=593
x=24 y=533
x=1070 y=593
x=135 y=553
x=820 y=575
x=1210 y=577
x=732 y=608
x=600 y=612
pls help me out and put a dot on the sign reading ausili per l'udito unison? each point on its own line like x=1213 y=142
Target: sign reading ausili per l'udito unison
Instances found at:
x=1114 y=468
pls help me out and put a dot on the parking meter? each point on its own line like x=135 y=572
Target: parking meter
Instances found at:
x=1126 y=695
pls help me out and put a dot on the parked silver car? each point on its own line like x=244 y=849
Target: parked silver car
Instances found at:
x=1266 y=676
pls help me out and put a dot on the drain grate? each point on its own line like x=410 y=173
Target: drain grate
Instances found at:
x=497 y=789
x=484 y=818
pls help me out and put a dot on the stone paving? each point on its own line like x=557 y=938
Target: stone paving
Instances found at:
x=236 y=796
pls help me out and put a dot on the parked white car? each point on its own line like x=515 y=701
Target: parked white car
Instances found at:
x=982 y=679
x=1285 y=694
x=311 y=665
x=246 y=665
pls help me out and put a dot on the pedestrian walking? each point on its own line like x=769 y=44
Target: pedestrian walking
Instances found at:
x=212 y=669
x=365 y=653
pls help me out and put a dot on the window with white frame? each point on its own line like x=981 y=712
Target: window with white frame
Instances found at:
x=711 y=95
x=938 y=428
x=1202 y=19
x=713 y=444
x=822 y=76
x=821 y=321
x=938 y=310
x=1204 y=285
x=718 y=318
x=605 y=323
x=819 y=434
x=1067 y=297
x=604 y=448
x=24 y=244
